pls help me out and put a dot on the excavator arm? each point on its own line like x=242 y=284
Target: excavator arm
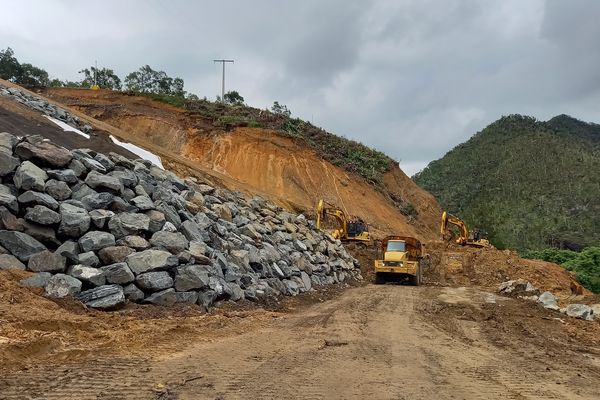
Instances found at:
x=465 y=237
x=339 y=216
x=347 y=230
x=449 y=219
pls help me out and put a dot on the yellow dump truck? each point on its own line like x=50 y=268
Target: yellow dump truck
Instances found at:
x=400 y=258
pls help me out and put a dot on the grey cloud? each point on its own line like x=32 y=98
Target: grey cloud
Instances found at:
x=411 y=78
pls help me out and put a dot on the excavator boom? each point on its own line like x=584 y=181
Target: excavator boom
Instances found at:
x=465 y=237
x=347 y=230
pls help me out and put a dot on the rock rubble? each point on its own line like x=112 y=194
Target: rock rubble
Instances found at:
x=110 y=230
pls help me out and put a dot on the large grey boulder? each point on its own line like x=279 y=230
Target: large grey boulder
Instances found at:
x=8 y=261
x=95 y=276
x=548 y=300
x=58 y=190
x=8 y=163
x=207 y=298
x=88 y=258
x=191 y=231
x=44 y=152
x=516 y=286
x=63 y=175
x=114 y=254
x=581 y=311
x=157 y=220
x=154 y=281
x=100 y=217
x=31 y=198
x=30 y=177
x=187 y=297
x=97 y=180
x=61 y=285
x=151 y=260
x=42 y=215
x=133 y=293
x=133 y=241
x=9 y=201
x=190 y=277
x=124 y=224
x=164 y=298
x=20 y=244
x=119 y=273
x=143 y=203
x=7 y=142
x=95 y=201
x=39 y=279
x=174 y=242
x=47 y=261
x=75 y=221
x=96 y=240
x=106 y=297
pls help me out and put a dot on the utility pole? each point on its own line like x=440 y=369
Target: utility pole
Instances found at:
x=223 y=79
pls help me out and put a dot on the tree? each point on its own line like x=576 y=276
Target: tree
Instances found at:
x=233 y=98
x=31 y=75
x=9 y=66
x=147 y=80
x=105 y=78
x=280 y=109
x=23 y=74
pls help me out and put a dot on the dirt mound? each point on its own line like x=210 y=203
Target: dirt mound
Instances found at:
x=262 y=161
x=488 y=267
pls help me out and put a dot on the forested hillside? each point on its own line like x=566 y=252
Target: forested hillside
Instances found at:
x=529 y=184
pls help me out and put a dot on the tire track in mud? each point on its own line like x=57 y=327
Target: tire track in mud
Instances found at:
x=377 y=342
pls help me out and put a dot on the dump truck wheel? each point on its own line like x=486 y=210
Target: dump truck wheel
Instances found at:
x=416 y=280
x=379 y=279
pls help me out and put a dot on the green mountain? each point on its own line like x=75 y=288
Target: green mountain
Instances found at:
x=529 y=184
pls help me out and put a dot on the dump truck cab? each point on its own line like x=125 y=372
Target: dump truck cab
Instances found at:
x=399 y=258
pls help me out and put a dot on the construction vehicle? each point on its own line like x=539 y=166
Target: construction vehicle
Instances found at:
x=400 y=258
x=348 y=229
x=475 y=238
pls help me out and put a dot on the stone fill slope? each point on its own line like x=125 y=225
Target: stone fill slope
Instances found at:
x=109 y=230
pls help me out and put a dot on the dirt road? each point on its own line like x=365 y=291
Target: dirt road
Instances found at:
x=377 y=342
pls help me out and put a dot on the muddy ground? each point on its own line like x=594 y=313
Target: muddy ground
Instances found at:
x=381 y=342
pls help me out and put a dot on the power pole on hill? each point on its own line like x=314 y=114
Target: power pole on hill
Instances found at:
x=223 y=80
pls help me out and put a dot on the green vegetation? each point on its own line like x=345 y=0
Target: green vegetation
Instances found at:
x=104 y=77
x=585 y=264
x=147 y=80
x=233 y=98
x=529 y=184
x=23 y=74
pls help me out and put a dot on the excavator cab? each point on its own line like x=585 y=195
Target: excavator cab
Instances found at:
x=357 y=227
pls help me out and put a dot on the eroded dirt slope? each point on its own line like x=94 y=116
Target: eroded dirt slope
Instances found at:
x=261 y=161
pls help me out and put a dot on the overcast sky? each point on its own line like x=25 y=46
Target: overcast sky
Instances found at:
x=410 y=78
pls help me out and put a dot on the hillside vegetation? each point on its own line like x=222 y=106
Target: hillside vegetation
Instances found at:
x=348 y=154
x=585 y=264
x=529 y=184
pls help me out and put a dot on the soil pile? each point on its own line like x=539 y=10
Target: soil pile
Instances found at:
x=489 y=267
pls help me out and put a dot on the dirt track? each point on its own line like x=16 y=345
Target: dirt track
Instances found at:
x=378 y=342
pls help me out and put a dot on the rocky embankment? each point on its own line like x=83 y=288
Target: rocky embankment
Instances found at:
x=45 y=107
x=108 y=230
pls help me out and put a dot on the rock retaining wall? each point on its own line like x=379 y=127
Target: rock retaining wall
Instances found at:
x=109 y=230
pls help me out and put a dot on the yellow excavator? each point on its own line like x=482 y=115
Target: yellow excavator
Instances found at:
x=349 y=229
x=475 y=238
x=400 y=258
